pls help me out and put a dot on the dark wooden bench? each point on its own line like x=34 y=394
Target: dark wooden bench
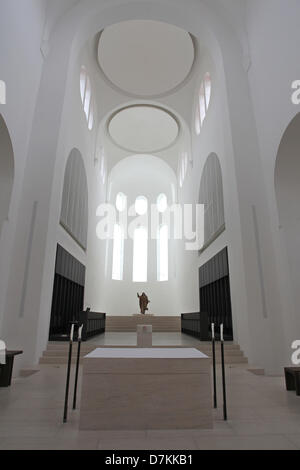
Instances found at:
x=6 y=370
x=292 y=379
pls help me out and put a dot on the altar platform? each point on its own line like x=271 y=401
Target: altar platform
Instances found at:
x=141 y=389
x=160 y=324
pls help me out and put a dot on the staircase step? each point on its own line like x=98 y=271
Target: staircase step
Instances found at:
x=64 y=360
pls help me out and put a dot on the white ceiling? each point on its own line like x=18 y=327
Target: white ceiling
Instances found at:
x=145 y=58
x=143 y=129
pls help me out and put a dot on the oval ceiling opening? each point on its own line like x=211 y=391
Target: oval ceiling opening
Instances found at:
x=145 y=58
x=143 y=129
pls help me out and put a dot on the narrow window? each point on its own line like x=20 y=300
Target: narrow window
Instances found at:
x=91 y=119
x=121 y=202
x=141 y=205
x=162 y=203
x=207 y=81
x=87 y=100
x=197 y=121
x=202 y=104
x=82 y=83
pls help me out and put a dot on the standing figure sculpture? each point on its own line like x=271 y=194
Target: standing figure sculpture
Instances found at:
x=144 y=302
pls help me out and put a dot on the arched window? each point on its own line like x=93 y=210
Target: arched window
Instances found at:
x=163 y=254
x=119 y=236
x=86 y=97
x=202 y=106
x=141 y=205
x=183 y=167
x=162 y=203
x=6 y=171
x=121 y=202
x=118 y=253
x=203 y=102
x=211 y=196
x=91 y=118
x=83 y=79
x=207 y=85
x=140 y=255
x=74 y=211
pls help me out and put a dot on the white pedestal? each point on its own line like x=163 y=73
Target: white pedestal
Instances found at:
x=144 y=336
x=140 y=389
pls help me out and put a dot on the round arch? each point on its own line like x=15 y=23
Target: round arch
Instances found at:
x=211 y=196
x=287 y=190
x=74 y=208
x=6 y=171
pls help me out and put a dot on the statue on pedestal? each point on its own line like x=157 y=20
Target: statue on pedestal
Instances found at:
x=144 y=302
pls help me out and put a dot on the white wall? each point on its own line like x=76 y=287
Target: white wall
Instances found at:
x=273 y=34
x=21 y=29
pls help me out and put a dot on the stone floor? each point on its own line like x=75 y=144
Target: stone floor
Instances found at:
x=262 y=415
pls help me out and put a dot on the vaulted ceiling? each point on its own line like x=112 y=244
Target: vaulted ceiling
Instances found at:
x=233 y=11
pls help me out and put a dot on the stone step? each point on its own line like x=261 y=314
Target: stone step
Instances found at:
x=129 y=324
x=57 y=346
x=63 y=360
x=57 y=353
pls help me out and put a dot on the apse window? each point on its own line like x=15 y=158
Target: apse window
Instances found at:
x=163 y=254
x=162 y=203
x=86 y=97
x=141 y=205
x=140 y=255
x=203 y=102
x=118 y=253
x=121 y=202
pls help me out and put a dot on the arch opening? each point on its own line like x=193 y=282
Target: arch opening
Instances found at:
x=6 y=171
x=287 y=190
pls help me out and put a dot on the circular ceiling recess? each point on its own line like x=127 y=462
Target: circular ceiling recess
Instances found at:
x=145 y=58
x=143 y=129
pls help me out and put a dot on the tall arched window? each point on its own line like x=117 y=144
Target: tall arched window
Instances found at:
x=203 y=102
x=6 y=171
x=162 y=242
x=83 y=79
x=211 y=196
x=86 y=97
x=140 y=255
x=163 y=254
x=119 y=237
x=118 y=253
x=183 y=168
x=141 y=205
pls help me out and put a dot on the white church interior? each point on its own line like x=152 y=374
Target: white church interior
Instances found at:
x=149 y=225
